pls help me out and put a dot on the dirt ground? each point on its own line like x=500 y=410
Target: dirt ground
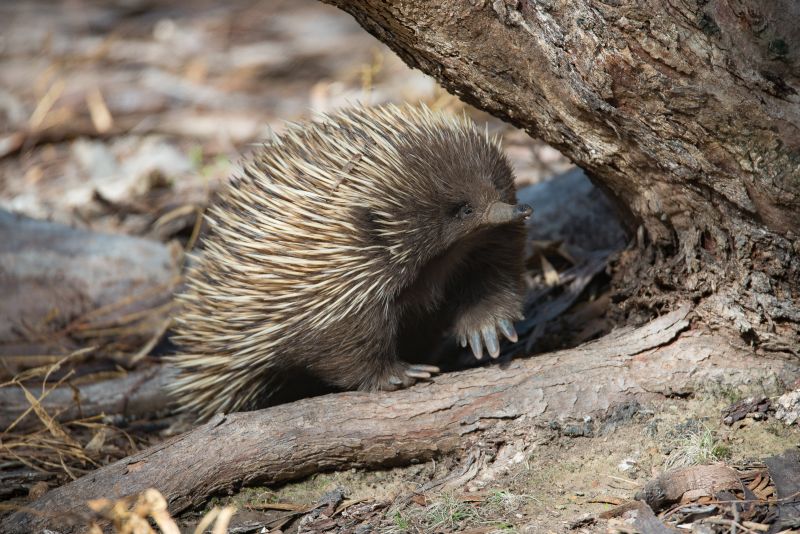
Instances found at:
x=125 y=116
x=545 y=481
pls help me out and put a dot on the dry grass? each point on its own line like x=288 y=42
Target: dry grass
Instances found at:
x=698 y=447
x=60 y=450
x=137 y=516
x=64 y=451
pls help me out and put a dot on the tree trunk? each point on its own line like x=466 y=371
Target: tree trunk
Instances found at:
x=686 y=113
x=578 y=391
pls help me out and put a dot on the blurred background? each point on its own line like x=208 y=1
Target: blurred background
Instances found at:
x=121 y=116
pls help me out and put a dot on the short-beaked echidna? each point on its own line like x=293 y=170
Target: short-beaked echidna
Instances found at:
x=344 y=249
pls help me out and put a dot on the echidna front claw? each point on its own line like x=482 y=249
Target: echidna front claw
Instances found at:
x=490 y=338
x=507 y=328
x=475 y=343
x=486 y=334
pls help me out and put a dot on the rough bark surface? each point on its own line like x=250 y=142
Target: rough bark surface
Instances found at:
x=687 y=113
x=602 y=380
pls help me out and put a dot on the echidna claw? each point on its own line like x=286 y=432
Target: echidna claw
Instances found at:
x=421 y=370
x=475 y=343
x=425 y=368
x=507 y=328
x=486 y=334
x=417 y=374
x=490 y=339
x=393 y=380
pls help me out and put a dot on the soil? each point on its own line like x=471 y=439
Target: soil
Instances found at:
x=547 y=486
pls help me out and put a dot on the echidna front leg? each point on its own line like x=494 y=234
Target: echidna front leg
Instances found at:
x=488 y=293
x=368 y=362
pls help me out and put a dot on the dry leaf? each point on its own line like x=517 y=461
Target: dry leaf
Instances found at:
x=98 y=111
x=95 y=445
x=551 y=277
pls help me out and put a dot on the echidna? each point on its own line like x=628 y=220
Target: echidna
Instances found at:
x=345 y=249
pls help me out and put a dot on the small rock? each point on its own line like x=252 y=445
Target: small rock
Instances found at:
x=626 y=465
x=788 y=407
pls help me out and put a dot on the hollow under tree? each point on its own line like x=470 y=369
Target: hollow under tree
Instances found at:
x=686 y=113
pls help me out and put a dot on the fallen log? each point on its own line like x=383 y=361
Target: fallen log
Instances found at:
x=137 y=393
x=661 y=359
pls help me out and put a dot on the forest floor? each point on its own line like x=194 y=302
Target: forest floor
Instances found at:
x=558 y=484
x=125 y=117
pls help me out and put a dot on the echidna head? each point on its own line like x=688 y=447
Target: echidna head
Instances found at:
x=456 y=184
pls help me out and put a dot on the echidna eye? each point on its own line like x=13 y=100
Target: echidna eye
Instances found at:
x=465 y=211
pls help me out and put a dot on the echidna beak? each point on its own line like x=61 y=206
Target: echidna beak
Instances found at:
x=501 y=213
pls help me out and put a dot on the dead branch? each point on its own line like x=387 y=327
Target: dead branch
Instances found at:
x=138 y=393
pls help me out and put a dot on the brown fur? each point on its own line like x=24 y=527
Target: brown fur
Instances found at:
x=343 y=251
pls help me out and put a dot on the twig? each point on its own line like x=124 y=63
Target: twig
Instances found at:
x=787 y=499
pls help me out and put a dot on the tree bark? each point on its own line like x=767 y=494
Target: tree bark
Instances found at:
x=604 y=380
x=686 y=113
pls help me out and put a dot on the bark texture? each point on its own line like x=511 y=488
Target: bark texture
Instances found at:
x=687 y=113
x=604 y=380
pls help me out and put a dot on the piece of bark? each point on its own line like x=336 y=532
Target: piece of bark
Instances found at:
x=671 y=486
x=360 y=430
x=754 y=407
x=62 y=285
x=646 y=521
